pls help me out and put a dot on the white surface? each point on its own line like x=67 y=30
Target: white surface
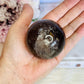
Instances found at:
x=64 y=76
x=49 y=1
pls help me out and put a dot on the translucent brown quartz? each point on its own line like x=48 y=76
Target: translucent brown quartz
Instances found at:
x=45 y=39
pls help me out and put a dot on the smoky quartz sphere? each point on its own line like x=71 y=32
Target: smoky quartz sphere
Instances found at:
x=45 y=39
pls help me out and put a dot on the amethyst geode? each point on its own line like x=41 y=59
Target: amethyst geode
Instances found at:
x=10 y=10
x=45 y=39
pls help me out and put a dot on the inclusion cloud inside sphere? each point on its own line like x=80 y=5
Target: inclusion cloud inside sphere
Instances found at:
x=45 y=39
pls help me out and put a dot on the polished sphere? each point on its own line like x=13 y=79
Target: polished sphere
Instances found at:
x=45 y=39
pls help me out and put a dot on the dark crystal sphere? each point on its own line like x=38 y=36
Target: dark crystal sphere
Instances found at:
x=45 y=39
